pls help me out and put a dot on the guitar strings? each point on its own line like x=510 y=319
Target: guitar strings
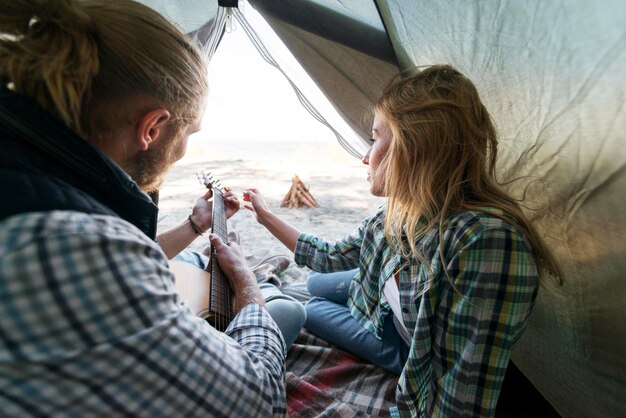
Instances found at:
x=223 y=318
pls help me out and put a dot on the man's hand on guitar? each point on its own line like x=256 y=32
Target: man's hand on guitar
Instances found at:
x=202 y=210
x=231 y=201
x=241 y=278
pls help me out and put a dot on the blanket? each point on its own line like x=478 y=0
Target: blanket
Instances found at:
x=325 y=381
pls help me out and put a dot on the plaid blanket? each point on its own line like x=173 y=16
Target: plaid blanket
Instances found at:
x=325 y=381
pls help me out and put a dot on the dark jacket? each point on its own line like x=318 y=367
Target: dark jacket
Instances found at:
x=45 y=166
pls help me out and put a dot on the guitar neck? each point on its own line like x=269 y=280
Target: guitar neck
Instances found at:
x=220 y=304
x=219 y=215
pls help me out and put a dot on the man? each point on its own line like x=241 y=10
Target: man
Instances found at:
x=97 y=100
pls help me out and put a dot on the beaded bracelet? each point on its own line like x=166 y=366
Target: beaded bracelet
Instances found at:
x=195 y=226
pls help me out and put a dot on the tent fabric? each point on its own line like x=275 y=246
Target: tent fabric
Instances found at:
x=551 y=74
x=344 y=70
x=288 y=72
x=350 y=89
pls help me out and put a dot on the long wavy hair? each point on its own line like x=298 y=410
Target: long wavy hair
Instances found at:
x=442 y=160
x=80 y=59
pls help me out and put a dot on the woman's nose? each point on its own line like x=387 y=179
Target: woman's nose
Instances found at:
x=366 y=157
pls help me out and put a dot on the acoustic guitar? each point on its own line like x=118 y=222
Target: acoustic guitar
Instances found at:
x=208 y=293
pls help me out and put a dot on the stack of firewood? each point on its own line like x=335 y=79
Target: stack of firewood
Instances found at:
x=298 y=195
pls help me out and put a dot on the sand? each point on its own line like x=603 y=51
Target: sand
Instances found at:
x=337 y=181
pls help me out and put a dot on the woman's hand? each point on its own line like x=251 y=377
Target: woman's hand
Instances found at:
x=257 y=204
x=285 y=233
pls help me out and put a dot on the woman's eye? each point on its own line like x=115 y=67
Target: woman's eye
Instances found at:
x=372 y=140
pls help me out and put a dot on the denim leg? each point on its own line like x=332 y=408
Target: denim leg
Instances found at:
x=193 y=257
x=287 y=312
x=331 y=286
x=334 y=323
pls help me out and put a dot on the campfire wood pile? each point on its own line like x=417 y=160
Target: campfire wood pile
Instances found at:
x=298 y=196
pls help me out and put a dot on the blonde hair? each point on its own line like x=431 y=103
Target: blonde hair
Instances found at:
x=442 y=161
x=80 y=59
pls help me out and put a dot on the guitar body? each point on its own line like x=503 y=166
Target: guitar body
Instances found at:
x=194 y=286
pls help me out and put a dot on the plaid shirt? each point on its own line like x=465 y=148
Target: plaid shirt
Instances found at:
x=462 y=335
x=90 y=326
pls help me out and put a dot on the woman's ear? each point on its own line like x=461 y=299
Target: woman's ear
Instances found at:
x=151 y=126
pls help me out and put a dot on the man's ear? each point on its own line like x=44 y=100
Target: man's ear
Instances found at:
x=150 y=126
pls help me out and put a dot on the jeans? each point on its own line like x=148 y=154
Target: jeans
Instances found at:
x=287 y=312
x=328 y=316
x=193 y=257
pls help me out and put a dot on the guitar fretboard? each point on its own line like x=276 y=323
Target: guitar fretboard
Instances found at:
x=219 y=215
x=220 y=299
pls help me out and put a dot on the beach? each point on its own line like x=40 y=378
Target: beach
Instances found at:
x=337 y=181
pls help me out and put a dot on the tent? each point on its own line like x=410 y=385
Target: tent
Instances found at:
x=552 y=75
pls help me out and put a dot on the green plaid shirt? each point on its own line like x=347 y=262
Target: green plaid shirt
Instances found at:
x=462 y=335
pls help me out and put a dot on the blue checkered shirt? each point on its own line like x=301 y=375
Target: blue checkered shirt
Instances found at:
x=90 y=326
x=461 y=336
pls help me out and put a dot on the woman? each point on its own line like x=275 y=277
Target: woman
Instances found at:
x=439 y=284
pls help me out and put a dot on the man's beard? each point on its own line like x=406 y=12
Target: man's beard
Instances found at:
x=148 y=168
x=148 y=173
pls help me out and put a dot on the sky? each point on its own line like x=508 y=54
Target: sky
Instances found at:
x=250 y=100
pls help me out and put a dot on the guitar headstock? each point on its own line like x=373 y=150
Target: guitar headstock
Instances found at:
x=207 y=180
